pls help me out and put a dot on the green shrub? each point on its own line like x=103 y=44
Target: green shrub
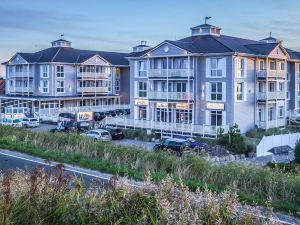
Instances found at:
x=138 y=134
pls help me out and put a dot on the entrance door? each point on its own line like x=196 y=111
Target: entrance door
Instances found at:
x=216 y=118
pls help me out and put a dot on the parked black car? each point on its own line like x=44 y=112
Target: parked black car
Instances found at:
x=116 y=133
x=83 y=126
x=174 y=145
x=127 y=111
x=120 y=112
x=65 y=127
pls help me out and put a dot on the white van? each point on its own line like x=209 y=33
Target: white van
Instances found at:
x=30 y=122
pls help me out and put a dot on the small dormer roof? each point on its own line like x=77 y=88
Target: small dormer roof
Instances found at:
x=271 y=39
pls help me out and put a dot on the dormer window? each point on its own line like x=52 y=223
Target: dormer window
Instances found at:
x=205 y=29
x=61 y=43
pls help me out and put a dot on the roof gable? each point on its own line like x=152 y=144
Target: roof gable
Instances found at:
x=18 y=58
x=168 y=48
x=279 y=52
x=93 y=60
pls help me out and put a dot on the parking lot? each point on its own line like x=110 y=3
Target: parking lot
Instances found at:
x=125 y=142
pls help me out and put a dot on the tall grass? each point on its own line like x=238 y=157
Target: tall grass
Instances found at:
x=36 y=197
x=252 y=183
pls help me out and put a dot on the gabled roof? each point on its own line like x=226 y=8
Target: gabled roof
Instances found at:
x=293 y=54
x=71 y=55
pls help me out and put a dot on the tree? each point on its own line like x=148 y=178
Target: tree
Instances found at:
x=297 y=153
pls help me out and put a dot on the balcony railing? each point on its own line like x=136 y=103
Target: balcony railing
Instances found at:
x=272 y=123
x=92 y=75
x=93 y=89
x=171 y=95
x=20 y=74
x=270 y=95
x=271 y=73
x=21 y=89
x=164 y=73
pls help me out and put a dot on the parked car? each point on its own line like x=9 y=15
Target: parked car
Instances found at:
x=98 y=134
x=112 y=113
x=65 y=126
x=12 y=122
x=116 y=133
x=30 y=122
x=83 y=126
x=98 y=116
x=120 y=112
x=174 y=145
x=127 y=111
x=193 y=143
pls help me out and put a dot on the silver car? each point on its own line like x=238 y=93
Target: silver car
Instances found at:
x=98 y=134
x=30 y=122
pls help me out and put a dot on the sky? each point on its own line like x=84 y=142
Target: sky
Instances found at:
x=118 y=25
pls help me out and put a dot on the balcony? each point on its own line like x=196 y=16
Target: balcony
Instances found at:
x=20 y=74
x=21 y=89
x=272 y=123
x=171 y=95
x=92 y=75
x=271 y=74
x=263 y=96
x=93 y=89
x=173 y=73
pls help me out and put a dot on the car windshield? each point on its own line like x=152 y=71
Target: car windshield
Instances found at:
x=104 y=133
x=34 y=120
x=25 y=120
x=17 y=121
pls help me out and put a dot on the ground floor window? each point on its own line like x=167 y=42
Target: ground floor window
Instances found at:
x=173 y=115
x=271 y=114
x=142 y=112
x=216 y=118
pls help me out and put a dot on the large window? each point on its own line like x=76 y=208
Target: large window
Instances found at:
x=142 y=89
x=216 y=118
x=280 y=112
x=216 y=91
x=215 y=67
x=44 y=86
x=142 y=112
x=60 y=86
x=142 y=68
x=240 y=89
x=44 y=71
x=60 y=72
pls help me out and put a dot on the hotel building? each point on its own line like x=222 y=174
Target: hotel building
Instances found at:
x=209 y=79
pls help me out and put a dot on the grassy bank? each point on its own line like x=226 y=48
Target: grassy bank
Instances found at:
x=260 y=185
x=35 y=197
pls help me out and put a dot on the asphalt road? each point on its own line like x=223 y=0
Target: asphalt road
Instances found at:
x=11 y=161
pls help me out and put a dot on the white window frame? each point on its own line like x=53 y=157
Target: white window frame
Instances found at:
x=117 y=85
x=42 y=86
x=280 y=112
x=242 y=92
x=60 y=88
x=216 y=93
x=218 y=69
x=241 y=68
x=144 y=90
x=44 y=73
x=60 y=71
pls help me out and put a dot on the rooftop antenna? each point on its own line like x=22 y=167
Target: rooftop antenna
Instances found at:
x=207 y=18
x=270 y=34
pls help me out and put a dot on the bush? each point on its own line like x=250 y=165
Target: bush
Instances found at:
x=234 y=141
x=297 y=153
x=35 y=197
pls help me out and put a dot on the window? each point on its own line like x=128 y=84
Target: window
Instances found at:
x=109 y=85
x=216 y=91
x=60 y=72
x=241 y=68
x=60 y=86
x=261 y=65
x=142 y=89
x=272 y=87
x=240 y=91
x=280 y=86
x=142 y=68
x=117 y=85
x=280 y=112
x=298 y=89
x=272 y=65
x=282 y=66
x=142 y=112
x=271 y=113
x=215 y=67
x=181 y=87
x=11 y=83
x=44 y=86
x=216 y=118
x=44 y=71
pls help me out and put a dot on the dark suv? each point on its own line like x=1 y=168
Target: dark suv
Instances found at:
x=174 y=145
x=116 y=133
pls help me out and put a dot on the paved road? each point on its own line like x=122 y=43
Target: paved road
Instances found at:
x=13 y=160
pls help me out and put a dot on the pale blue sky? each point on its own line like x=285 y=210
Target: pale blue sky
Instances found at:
x=117 y=25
